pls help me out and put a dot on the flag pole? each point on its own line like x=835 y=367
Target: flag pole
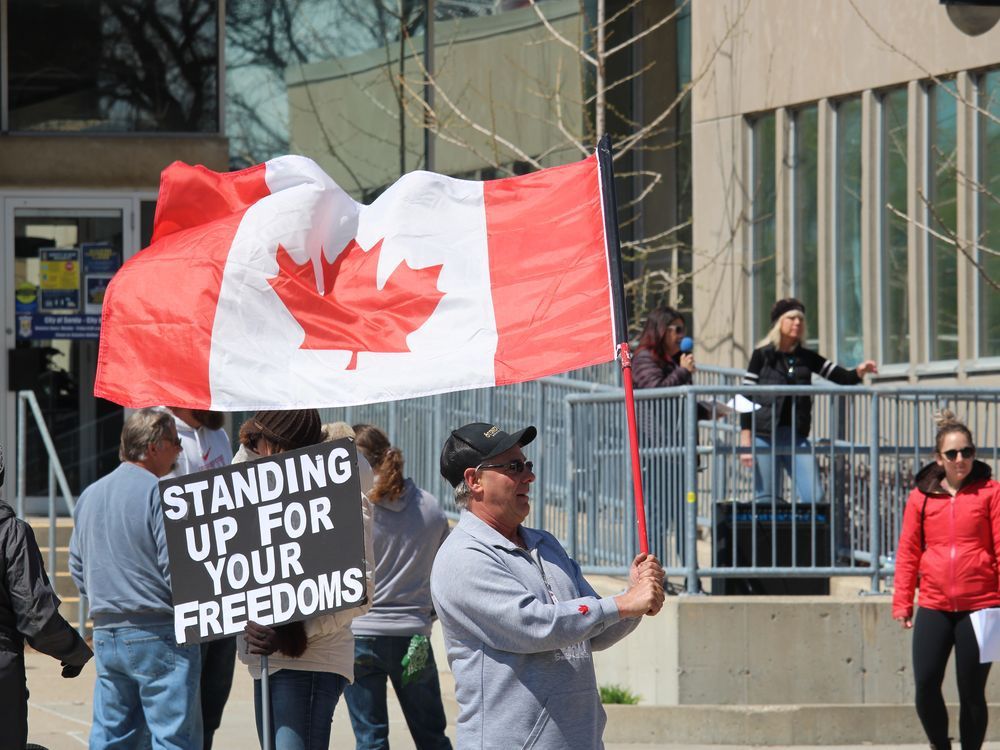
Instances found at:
x=265 y=706
x=604 y=161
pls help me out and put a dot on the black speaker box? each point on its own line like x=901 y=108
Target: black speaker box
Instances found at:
x=772 y=524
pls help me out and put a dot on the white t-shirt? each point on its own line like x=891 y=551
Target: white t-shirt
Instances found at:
x=201 y=449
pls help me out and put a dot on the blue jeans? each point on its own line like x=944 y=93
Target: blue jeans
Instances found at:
x=146 y=690
x=302 y=706
x=377 y=658
x=768 y=464
x=218 y=659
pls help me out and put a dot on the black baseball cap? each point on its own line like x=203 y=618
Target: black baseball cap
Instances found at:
x=472 y=444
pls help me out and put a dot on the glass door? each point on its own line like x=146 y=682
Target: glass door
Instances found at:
x=61 y=256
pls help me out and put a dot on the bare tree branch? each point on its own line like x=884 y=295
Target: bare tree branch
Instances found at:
x=922 y=68
x=559 y=37
x=950 y=239
x=632 y=40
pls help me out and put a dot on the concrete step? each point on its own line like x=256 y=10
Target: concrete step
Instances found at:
x=70 y=609
x=63 y=584
x=787 y=725
x=40 y=525
x=62 y=558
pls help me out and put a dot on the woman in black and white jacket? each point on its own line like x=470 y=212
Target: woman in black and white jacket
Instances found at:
x=779 y=429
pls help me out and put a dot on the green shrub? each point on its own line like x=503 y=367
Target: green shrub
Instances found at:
x=618 y=694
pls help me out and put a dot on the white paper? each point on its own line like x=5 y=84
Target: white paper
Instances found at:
x=741 y=404
x=986 y=623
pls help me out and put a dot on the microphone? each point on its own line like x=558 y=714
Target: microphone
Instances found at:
x=687 y=345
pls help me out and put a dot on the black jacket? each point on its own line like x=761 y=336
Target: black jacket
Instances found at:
x=649 y=371
x=29 y=608
x=768 y=366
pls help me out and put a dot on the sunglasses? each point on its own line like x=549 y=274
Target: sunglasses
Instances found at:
x=513 y=468
x=966 y=452
x=791 y=368
x=677 y=329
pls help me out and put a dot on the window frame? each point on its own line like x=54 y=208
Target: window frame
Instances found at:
x=931 y=363
x=980 y=361
x=795 y=244
x=220 y=90
x=835 y=208
x=751 y=123
x=881 y=225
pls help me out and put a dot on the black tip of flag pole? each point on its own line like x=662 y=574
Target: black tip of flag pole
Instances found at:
x=607 y=170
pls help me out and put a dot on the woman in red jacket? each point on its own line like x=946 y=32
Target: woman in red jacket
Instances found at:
x=950 y=544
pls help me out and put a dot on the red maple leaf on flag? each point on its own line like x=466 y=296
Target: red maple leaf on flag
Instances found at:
x=347 y=310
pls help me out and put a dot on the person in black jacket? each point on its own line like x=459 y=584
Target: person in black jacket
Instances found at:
x=29 y=611
x=779 y=429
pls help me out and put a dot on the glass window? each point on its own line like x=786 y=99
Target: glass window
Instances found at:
x=114 y=66
x=63 y=263
x=804 y=134
x=336 y=80
x=762 y=221
x=942 y=217
x=684 y=176
x=989 y=215
x=893 y=251
x=847 y=233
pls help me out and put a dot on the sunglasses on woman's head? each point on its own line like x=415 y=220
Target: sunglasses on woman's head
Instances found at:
x=966 y=452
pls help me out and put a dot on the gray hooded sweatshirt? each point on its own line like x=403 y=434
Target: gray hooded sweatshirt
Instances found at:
x=520 y=627
x=407 y=531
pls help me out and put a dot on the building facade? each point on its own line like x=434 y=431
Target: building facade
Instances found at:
x=849 y=154
x=98 y=97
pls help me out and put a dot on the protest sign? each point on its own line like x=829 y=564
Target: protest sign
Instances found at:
x=273 y=540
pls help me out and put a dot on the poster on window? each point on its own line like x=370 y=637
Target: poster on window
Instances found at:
x=59 y=279
x=274 y=540
x=100 y=258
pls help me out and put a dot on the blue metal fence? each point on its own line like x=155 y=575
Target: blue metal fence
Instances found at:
x=706 y=514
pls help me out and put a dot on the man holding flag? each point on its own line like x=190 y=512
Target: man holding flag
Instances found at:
x=520 y=621
x=296 y=296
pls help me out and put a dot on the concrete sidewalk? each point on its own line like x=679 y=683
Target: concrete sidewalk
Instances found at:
x=59 y=711
x=59 y=716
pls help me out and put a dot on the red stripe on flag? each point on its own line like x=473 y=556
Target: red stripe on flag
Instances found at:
x=156 y=333
x=549 y=272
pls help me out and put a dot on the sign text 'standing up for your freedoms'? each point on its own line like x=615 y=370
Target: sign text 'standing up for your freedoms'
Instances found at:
x=273 y=540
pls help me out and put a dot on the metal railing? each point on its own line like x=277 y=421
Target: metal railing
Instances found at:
x=836 y=509
x=27 y=404
x=420 y=426
x=865 y=446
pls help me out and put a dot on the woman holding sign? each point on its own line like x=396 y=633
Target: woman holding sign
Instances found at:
x=950 y=542
x=391 y=642
x=309 y=662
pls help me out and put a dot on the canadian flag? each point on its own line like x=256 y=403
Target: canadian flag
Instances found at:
x=272 y=288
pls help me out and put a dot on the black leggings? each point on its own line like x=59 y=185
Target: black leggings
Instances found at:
x=934 y=634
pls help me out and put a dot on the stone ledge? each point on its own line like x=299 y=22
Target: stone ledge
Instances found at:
x=879 y=724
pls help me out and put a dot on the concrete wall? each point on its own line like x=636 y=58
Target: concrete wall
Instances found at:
x=751 y=56
x=102 y=162
x=746 y=651
x=775 y=53
x=505 y=73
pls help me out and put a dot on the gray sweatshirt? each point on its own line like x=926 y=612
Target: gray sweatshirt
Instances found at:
x=118 y=551
x=520 y=627
x=408 y=532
